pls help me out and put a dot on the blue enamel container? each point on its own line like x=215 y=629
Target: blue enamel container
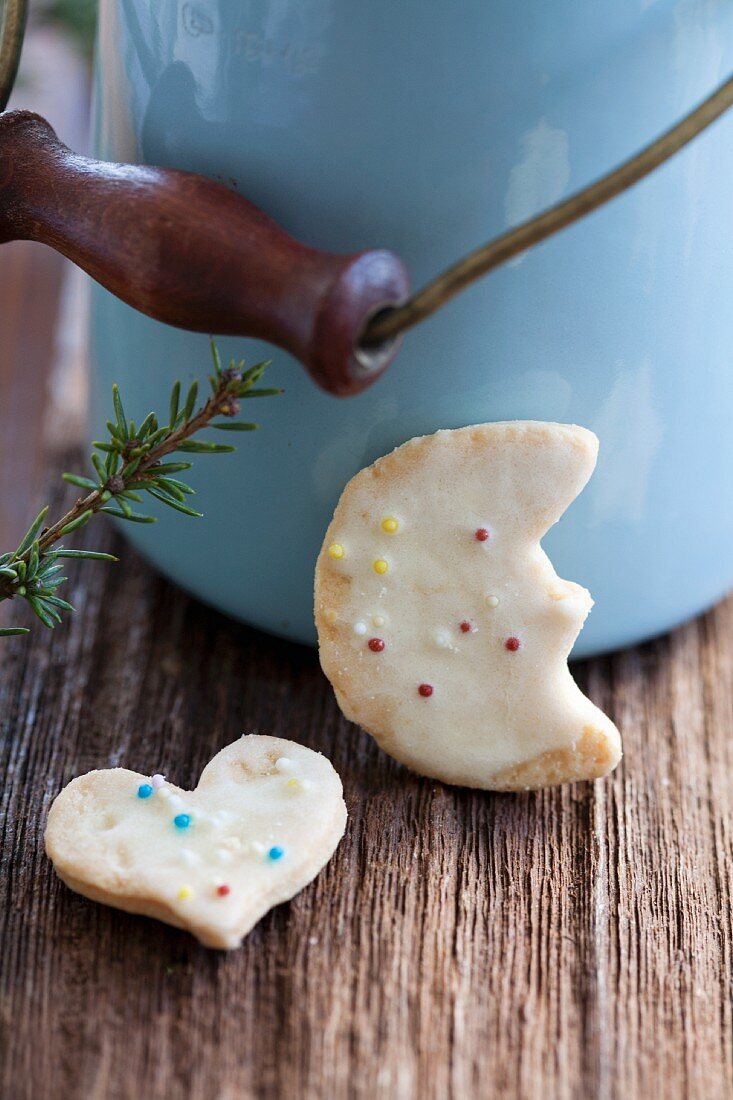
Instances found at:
x=428 y=127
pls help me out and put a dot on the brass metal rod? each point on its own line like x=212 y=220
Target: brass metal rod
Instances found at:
x=396 y=320
x=13 y=16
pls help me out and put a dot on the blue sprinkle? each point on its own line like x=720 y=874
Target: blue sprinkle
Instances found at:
x=144 y=790
x=182 y=821
x=276 y=852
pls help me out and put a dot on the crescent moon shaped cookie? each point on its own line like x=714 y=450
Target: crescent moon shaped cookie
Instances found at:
x=266 y=816
x=442 y=625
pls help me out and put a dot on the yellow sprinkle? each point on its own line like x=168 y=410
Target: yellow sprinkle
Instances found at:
x=331 y=617
x=389 y=524
x=293 y=784
x=336 y=550
x=380 y=566
x=378 y=620
x=184 y=893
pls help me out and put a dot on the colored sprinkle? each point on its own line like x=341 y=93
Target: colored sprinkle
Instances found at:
x=378 y=620
x=380 y=566
x=491 y=601
x=144 y=790
x=336 y=550
x=389 y=524
x=466 y=627
x=482 y=534
x=185 y=892
x=512 y=644
x=284 y=764
x=376 y=645
x=293 y=784
x=223 y=890
x=182 y=821
x=157 y=781
x=276 y=852
x=331 y=617
x=426 y=690
x=360 y=628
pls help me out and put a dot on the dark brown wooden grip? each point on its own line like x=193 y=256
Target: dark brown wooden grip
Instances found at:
x=191 y=253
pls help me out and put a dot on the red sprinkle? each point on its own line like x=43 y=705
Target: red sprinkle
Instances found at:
x=482 y=534
x=223 y=890
x=426 y=690
x=512 y=644
x=376 y=645
x=465 y=627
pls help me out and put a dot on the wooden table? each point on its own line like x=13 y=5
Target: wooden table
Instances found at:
x=569 y=943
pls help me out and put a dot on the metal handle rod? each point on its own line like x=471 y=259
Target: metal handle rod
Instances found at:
x=396 y=320
x=12 y=28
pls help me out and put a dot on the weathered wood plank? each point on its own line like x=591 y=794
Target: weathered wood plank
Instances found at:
x=573 y=943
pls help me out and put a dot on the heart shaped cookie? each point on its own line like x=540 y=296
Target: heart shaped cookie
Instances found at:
x=266 y=816
x=442 y=625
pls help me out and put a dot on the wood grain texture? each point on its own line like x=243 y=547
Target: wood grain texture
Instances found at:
x=569 y=943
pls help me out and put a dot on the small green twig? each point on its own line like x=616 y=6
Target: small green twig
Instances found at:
x=126 y=465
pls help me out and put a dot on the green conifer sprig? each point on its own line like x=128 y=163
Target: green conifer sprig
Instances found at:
x=128 y=464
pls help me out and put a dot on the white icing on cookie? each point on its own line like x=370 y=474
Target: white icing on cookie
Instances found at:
x=257 y=828
x=467 y=680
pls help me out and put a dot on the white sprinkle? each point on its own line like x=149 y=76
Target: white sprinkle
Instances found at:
x=233 y=843
x=378 y=620
x=220 y=818
x=443 y=639
x=188 y=857
x=313 y=940
x=176 y=802
x=222 y=855
x=157 y=781
x=491 y=601
x=284 y=764
x=164 y=792
x=360 y=628
x=257 y=848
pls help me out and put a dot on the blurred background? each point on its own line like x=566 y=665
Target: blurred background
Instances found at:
x=41 y=294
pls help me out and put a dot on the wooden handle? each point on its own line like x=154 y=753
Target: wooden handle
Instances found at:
x=194 y=254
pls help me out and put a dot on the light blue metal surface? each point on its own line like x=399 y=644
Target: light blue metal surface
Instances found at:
x=427 y=128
